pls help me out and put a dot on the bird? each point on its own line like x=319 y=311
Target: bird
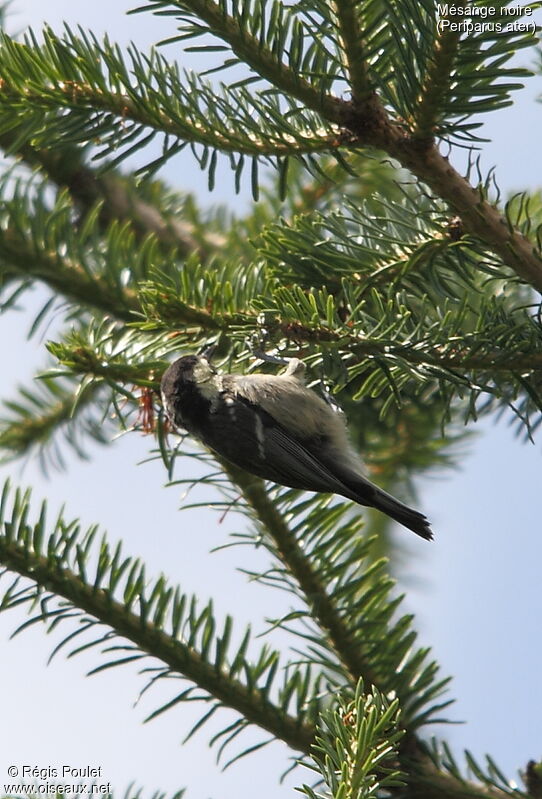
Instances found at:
x=275 y=427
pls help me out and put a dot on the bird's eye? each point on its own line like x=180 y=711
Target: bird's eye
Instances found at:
x=188 y=364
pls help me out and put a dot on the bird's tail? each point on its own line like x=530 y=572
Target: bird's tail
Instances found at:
x=366 y=493
x=408 y=517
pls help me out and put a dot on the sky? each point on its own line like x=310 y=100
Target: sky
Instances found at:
x=476 y=590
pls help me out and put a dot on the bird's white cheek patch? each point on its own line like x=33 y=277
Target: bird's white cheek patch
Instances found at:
x=260 y=437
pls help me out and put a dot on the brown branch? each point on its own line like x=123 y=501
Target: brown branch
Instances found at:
x=479 y=217
x=67 y=169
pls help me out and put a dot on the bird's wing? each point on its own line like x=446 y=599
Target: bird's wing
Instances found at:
x=303 y=466
x=251 y=438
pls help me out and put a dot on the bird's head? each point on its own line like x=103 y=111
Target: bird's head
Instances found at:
x=186 y=384
x=188 y=369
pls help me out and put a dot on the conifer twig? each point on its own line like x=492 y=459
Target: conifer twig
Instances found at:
x=64 y=275
x=351 y=35
x=424 y=779
x=178 y=655
x=437 y=81
x=67 y=169
x=304 y=573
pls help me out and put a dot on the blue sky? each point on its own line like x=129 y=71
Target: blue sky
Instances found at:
x=476 y=590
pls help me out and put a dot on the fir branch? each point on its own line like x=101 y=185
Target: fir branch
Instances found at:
x=421 y=776
x=74 y=95
x=397 y=367
x=436 y=87
x=458 y=354
x=19 y=552
x=36 y=418
x=308 y=579
x=254 y=52
x=479 y=217
x=74 y=73
x=63 y=275
x=375 y=129
x=118 y=196
x=21 y=548
x=58 y=81
x=351 y=33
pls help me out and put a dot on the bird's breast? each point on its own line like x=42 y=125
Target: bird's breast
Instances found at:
x=190 y=408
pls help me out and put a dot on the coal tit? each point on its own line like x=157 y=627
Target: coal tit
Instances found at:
x=274 y=427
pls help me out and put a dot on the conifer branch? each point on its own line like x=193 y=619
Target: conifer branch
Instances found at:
x=424 y=780
x=351 y=34
x=176 y=654
x=49 y=573
x=314 y=590
x=437 y=81
x=259 y=57
x=479 y=217
x=67 y=169
x=457 y=354
x=64 y=275
x=35 y=423
x=77 y=95
x=356 y=127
